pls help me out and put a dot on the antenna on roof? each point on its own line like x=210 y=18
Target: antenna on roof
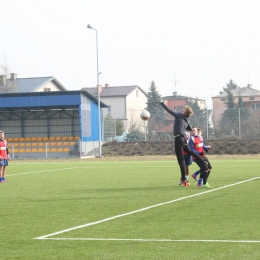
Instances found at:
x=175 y=82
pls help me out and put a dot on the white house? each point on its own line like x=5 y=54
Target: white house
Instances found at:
x=124 y=102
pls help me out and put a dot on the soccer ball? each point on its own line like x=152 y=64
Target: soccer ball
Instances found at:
x=145 y=115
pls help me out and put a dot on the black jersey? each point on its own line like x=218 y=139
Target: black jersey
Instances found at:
x=181 y=122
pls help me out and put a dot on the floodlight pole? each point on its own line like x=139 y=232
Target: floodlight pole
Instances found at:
x=99 y=118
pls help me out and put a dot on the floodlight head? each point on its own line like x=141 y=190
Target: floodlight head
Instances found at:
x=89 y=26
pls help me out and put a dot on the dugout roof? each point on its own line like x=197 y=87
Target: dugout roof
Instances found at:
x=33 y=101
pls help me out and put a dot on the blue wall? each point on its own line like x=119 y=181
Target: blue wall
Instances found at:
x=94 y=124
x=87 y=105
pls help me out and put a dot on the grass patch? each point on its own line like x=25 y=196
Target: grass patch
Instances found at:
x=44 y=197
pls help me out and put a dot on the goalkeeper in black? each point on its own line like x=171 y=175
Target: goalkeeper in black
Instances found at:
x=181 y=124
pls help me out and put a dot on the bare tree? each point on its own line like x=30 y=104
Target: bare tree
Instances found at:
x=134 y=123
x=7 y=79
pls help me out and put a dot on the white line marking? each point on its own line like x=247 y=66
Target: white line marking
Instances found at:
x=94 y=167
x=143 y=209
x=41 y=171
x=87 y=167
x=155 y=240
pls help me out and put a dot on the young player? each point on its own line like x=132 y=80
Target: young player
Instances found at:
x=196 y=144
x=181 y=124
x=4 y=157
x=195 y=174
x=187 y=159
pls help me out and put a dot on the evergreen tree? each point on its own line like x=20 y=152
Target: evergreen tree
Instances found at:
x=119 y=127
x=199 y=117
x=229 y=122
x=230 y=100
x=153 y=103
x=240 y=103
x=229 y=86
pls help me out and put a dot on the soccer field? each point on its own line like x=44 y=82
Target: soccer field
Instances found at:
x=121 y=209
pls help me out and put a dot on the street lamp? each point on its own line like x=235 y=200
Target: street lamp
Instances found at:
x=99 y=120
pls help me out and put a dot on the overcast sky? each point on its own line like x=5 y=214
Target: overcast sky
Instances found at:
x=198 y=44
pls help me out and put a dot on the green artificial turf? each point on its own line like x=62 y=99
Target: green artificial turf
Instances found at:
x=128 y=210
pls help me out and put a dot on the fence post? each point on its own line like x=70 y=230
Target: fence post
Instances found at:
x=115 y=121
x=13 y=150
x=239 y=124
x=207 y=122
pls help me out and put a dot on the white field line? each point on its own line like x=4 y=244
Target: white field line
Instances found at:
x=93 y=167
x=53 y=170
x=143 y=209
x=105 y=167
x=155 y=240
x=79 y=161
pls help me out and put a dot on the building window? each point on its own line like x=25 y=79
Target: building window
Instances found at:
x=255 y=106
x=136 y=93
x=47 y=89
x=252 y=98
x=178 y=109
x=222 y=99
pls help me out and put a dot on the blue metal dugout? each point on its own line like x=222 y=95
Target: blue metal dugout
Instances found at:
x=50 y=114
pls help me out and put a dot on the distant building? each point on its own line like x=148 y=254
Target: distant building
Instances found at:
x=124 y=102
x=250 y=97
x=36 y=84
x=42 y=107
x=175 y=103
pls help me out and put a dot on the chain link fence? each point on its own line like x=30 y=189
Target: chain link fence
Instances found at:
x=233 y=124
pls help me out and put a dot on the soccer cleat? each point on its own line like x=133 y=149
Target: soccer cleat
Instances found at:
x=184 y=183
x=200 y=183
x=207 y=186
x=194 y=177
